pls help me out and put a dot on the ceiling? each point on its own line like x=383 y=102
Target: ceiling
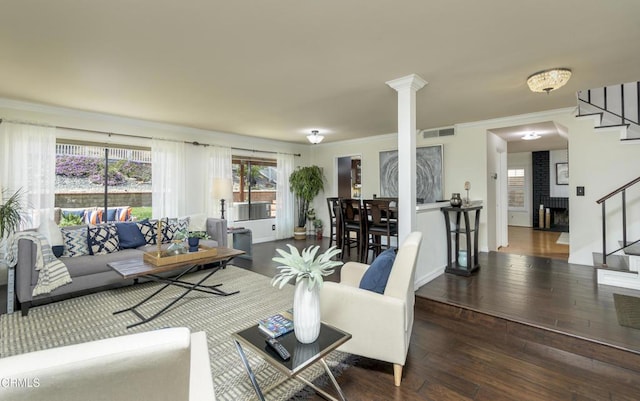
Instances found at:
x=278 y=69
x=553 y=136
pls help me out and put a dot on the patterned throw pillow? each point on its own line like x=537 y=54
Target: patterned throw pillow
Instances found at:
x=148 y=230
x=75 y=241
x=123 y=214
x=103 y=239
x=93 y=216
x=174 y=226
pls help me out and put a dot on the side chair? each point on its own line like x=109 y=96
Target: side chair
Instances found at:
x=380 y=324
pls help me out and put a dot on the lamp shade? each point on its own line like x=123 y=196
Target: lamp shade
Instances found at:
x=222 y=188
x=314 y=138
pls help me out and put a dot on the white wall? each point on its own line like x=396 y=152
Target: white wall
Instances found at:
x=517 y=217
x=601 y=163
x=139 y=129
x=598 y=161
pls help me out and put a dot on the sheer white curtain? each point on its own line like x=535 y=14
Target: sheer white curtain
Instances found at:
x=219 y=176
x=285 y=204
x=169 y=196
x=28 y=162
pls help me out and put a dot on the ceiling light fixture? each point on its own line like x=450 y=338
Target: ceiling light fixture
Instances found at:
x=314 y=138
x=548 y=80
x=531 y=136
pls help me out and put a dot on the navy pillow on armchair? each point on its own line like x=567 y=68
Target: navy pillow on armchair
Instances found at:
x=376 y=277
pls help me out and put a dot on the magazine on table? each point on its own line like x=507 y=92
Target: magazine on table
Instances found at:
x=277 y=325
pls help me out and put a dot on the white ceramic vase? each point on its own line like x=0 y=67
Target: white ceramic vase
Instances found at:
x=306 y=313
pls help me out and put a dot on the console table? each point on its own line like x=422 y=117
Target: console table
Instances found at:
x=453 y=265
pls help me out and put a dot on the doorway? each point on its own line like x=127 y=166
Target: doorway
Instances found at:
x=531 y=185
x=350 y=177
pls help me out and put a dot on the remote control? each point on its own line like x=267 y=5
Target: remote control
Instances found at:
x=279 y=348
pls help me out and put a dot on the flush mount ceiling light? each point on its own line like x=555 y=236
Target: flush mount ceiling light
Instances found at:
x=548 y=80
x=314 y=138
x=531 y=136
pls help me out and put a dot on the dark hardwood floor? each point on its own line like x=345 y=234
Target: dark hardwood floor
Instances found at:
x=522 y=328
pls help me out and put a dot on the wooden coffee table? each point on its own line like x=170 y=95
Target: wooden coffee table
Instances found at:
x=137 y=267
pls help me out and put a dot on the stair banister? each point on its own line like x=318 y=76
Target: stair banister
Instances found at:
x=602 y=201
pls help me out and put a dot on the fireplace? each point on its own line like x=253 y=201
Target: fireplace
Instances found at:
x=554 y=214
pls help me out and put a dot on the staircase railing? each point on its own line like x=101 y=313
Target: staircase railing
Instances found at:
x=623 y=116
x=603 y=201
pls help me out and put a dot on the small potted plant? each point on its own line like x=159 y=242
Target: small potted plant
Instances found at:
x=318 y=225
x=194 y=239
x=308 y=271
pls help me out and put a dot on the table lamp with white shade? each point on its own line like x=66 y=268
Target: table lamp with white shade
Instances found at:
x=222 y=189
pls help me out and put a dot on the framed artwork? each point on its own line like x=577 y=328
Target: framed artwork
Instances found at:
x=428 y=173
x=562 y=173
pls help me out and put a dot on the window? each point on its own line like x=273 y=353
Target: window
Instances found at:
x=83 y=182
x=516 y=184
x=254 y=188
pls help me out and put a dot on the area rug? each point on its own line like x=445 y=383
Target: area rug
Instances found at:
x=628 y=310
x=563 y=239
x=90 y=317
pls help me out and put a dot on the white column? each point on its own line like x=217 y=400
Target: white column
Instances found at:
x=407 y=88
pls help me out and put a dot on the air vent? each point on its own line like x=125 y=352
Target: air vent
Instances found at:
x=438 y=132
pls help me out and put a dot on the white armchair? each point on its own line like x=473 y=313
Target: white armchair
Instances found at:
x=380 y=324
x=168 y=364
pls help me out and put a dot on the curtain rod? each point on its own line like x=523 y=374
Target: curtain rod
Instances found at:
x=195 y=143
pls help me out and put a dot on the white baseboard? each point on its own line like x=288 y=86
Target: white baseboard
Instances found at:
x=420 y=281
x=619 y=279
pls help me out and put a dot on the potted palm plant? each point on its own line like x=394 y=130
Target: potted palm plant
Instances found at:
x=305 y=183
x=11 y=215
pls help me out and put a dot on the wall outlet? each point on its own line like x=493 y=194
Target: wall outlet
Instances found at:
x=273 y=227
x=579 y=191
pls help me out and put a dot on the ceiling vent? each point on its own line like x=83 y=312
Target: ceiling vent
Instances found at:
x=434 y=133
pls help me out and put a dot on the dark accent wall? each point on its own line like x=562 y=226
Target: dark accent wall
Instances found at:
x=540 y=176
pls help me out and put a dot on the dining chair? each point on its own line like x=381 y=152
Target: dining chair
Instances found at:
x=335 y=232
x=381 y=223
x=353 y=222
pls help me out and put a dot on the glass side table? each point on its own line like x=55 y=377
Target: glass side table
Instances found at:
x=302 y=355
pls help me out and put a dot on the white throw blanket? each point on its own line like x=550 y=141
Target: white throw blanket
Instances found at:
x=53 y=273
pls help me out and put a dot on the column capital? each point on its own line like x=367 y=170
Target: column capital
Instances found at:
x=412 y=81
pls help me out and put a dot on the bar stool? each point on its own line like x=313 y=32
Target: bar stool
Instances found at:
x=335 y=232
x=353 y=221
x=380 y=223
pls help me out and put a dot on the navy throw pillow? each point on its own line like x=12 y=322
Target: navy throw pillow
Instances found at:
x=130 y=235
x=376 y=277
x=57 y=250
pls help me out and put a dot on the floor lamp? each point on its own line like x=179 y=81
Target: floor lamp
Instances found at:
x=222 y=191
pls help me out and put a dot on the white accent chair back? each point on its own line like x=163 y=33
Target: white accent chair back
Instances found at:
x=167 y=364
x=380 y=324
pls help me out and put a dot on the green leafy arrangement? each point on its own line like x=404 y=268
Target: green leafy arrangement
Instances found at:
x=306 y=183
x=199 y=234
x=70 y=219
x=10 y=212
x=305 y=265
